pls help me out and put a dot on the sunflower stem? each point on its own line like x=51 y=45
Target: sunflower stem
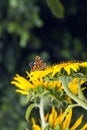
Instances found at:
x=65 y=81
x=41 y=110
x=68 y=108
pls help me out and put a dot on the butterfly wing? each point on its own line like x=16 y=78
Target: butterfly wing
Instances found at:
x=38 y=64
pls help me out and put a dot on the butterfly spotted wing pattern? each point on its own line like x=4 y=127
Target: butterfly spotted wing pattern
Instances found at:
x=38 y=64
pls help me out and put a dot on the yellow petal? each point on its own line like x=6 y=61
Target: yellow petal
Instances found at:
x=35 y=126
x=59 y=118
x=52 y=116
x=84 y=127
x=22 y=92
x=21 y=82
x=83 y=64
x=77 y=123
x=67 y=120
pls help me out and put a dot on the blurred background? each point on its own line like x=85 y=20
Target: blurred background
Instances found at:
x=29 y=28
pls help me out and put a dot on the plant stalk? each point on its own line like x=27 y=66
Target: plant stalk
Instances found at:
x=41 y=110
x=73 y=96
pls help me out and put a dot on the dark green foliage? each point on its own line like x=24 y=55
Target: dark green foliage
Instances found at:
x=56 y=8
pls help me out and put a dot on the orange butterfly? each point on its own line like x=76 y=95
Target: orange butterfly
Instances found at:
x=38 y=64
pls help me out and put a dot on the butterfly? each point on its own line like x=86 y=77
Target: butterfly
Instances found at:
x=39 y=64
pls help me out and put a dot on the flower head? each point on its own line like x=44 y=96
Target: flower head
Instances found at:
x=51 y=83
x=25 y=84
x=68 y=67
x=56 y=120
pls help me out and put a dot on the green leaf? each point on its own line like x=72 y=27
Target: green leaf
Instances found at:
x=13 y=3
x=29 y=109
x=80 y=92
x=56 y=8
x=24 y=38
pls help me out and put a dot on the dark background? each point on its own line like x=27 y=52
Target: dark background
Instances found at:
x=28 y=28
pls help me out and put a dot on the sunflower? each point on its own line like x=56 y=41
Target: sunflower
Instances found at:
x=57 y=122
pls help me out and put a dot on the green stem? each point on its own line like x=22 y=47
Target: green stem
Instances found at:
x=68 y=108
x=65 y=83
x=41 y=109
